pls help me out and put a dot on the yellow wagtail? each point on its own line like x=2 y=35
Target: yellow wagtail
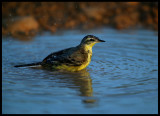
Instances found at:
x=70 y=59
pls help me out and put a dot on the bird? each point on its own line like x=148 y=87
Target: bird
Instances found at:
x=69 y=59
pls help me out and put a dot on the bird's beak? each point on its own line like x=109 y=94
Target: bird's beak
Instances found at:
x=99 y=40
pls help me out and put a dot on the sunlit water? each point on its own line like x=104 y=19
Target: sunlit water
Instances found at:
x=121 y=78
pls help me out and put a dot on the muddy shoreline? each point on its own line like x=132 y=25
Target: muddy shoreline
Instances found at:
x=28 y=18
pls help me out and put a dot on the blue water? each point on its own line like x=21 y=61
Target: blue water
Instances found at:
x=121 y=78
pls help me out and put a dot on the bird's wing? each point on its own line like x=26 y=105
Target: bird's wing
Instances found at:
x=77 y=58
x=71 y=57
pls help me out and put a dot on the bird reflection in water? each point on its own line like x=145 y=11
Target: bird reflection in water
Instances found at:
x=80 y=81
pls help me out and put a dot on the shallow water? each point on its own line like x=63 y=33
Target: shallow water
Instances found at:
x=121 y=78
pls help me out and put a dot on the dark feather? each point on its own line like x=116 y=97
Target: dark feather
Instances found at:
x=32 y=64
x=74 y=56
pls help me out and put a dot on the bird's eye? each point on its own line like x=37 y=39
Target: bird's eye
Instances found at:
x=91 y=39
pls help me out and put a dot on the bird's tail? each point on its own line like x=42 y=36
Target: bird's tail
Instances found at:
x=32 y=64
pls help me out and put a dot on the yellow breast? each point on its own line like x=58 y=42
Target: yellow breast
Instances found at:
x=76 y=68
x=88 y=48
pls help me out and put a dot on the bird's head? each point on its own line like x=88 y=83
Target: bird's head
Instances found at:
x=90 y=40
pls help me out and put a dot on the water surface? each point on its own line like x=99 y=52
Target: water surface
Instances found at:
x=121 y=78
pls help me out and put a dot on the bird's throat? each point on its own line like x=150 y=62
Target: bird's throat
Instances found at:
x=88 y=48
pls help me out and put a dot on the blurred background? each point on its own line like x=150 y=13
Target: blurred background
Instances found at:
x=28 y=18
x=122 y=77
